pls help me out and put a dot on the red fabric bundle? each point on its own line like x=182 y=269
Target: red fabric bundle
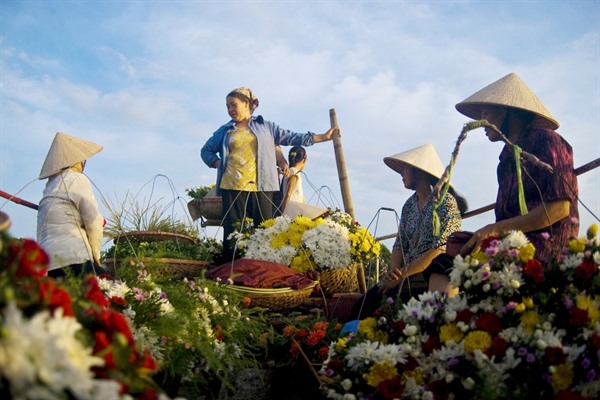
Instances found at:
x=260 y=274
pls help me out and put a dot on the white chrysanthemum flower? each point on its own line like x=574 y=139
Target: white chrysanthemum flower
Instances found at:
x=42 y=358
x=361 y=354
x=114 y=288
x=513 y=240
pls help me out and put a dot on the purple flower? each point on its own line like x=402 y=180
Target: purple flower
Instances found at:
x=586 y=363
x=530 y=358
x=522 y=351
x=389 y=300
x=591 y=375
x=452 y=362
x=568 y=302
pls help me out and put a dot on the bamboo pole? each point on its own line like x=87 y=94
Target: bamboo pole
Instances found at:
x=18 y=200
x=341 y=166
x=345 y=189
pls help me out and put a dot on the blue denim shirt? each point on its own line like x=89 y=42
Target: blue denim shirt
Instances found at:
x=268 y=134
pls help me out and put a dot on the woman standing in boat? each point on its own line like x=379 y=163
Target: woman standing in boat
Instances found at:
x=244 y=152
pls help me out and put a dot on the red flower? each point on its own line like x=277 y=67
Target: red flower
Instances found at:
x=391 y=388
x=315 y=337
x=579 y=317
x=31 y=260
x=464 y=316
x=595 y=340
x=431 y=344
x=149 y=394
x=489 y=322
x=440 y=390
x=219 y=333
x=94 y=293
x=398 y=326
x=55 y=297
x=119 y=301
x=486 y=242
x=569 y=395
x=497 y=348
x=534 y=270
x=410 y=364
x=247 y=301
x=585 y=271
x=554 y=355
x=323 y=353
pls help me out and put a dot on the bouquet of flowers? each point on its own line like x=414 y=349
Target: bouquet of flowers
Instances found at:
x=517 y=329
x=331 y=242
x=63 y=340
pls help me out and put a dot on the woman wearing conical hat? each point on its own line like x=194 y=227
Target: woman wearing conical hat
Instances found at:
x=69 y=225
x=550 y=216
x=416 y=244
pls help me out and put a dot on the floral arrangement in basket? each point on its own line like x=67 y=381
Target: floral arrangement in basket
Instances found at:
x=331 y=242
x=517 y=329
x=63 y=340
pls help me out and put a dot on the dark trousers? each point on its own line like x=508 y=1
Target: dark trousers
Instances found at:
x=368 y=303
x=238 y=205
x=81 y=270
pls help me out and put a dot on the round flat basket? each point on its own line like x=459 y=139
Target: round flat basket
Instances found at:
x=153 y=236
x=165 y=267
x=276 y=299
x=342 y=280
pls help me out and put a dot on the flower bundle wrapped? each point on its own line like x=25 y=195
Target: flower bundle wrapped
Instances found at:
x=328 y=243
x=62 y=340
x=518 y=329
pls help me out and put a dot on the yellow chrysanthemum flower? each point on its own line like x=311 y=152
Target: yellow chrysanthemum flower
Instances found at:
x=477 y=340
x=520 y=308
x=585 y=302
x=577 y=245
x=301 y=262
x=527 y=252
x=341 y=344
x=529 y=320
x=592 y=231
x=450 y=332
x=268 y=223
x=416 y=374
x=367 y=328
x=380 y=372
x=528 y=302
x=480 y=256
x=562 y=377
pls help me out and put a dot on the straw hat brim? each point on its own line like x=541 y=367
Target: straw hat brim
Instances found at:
x=295 y=208
x=424 y=158
x=508 y=92
x=66 y=151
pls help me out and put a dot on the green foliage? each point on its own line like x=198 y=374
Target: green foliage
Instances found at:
x=199 y=192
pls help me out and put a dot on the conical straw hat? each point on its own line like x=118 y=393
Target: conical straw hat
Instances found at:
x=509 y=91
x=66 y=151
x=295 y=208
x=423 y=157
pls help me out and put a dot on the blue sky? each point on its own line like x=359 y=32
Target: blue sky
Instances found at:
x=148 y=79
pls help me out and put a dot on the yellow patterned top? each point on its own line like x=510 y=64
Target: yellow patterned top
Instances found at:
x=240 y=172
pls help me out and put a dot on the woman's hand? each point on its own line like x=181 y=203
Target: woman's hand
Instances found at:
x=475 y=242
x=328 y=135
x=390 y=280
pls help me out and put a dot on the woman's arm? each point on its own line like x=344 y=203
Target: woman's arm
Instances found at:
x=540 y=217
x=419 y=264
x=292 y=181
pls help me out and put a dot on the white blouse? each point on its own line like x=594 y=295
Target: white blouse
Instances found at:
x=69 y=225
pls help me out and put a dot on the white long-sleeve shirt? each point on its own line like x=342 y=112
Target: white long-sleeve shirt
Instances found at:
x=69 y=225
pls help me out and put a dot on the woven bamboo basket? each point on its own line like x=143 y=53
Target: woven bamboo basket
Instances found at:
x=210 y=208
x=174 y=268
x=276 y=299
x=342 y=280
